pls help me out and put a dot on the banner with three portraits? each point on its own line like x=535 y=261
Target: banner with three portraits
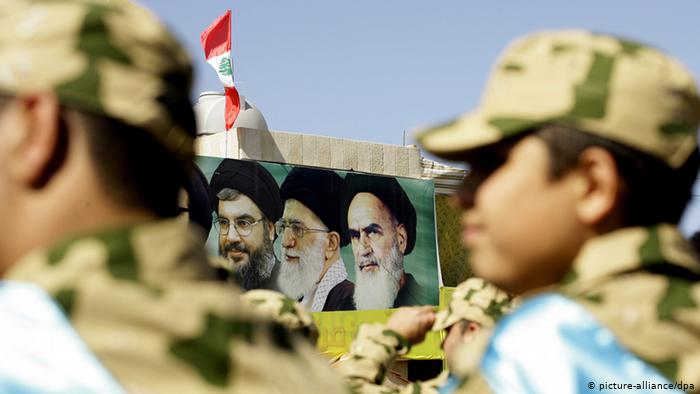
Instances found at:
x=349 y=246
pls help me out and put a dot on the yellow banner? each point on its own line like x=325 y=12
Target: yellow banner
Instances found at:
x=338 y=329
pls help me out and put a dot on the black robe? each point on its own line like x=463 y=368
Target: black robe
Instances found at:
x=340 y=297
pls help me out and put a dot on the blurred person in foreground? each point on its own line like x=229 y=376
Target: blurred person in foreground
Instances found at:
x=582 y=155
x=96 y=131
x=475 y=306
x=195 y=201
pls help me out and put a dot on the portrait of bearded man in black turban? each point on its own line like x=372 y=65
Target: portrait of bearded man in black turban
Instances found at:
x=311 y=268
x=381 y=222
x=247 y=204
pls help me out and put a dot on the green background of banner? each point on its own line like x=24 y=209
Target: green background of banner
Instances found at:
x=338 y=329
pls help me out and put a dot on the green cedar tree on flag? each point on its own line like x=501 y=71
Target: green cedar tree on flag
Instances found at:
x=216 y=41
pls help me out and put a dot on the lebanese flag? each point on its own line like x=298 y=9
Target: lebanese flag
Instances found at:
x=216 y=41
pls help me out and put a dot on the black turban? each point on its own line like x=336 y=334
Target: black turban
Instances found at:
x=388 y=191
x=320 y=191
x=251 y=179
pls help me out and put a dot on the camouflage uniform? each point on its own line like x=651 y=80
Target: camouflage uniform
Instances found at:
x=102 y=57
x=282 y=309
x=375 y=348
x=146 y=304
x=640 y=283
x=142 y=297
x=646 y=290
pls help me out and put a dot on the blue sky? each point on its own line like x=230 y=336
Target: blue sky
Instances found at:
x=369 y=70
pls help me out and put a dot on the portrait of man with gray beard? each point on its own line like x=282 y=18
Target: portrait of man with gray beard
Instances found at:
x=247 y=205
x=381 y=223
x=311 y=269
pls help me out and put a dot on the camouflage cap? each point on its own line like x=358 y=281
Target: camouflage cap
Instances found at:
x=103 y=57
x=612 y=87
x=283 y=310
x=474 y=300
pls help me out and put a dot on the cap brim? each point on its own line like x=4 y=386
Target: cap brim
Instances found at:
x=471 y=131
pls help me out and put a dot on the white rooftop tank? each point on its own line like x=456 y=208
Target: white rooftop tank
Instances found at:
x=209 y=112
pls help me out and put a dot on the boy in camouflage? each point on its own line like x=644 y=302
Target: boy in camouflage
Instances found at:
x=582 y=156
x=475 y=306
x=96 y=131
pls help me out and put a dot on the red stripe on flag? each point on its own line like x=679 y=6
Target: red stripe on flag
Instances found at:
x=216 y=39
x=233 y=106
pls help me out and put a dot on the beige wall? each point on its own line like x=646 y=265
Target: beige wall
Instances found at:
x=312 y=150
